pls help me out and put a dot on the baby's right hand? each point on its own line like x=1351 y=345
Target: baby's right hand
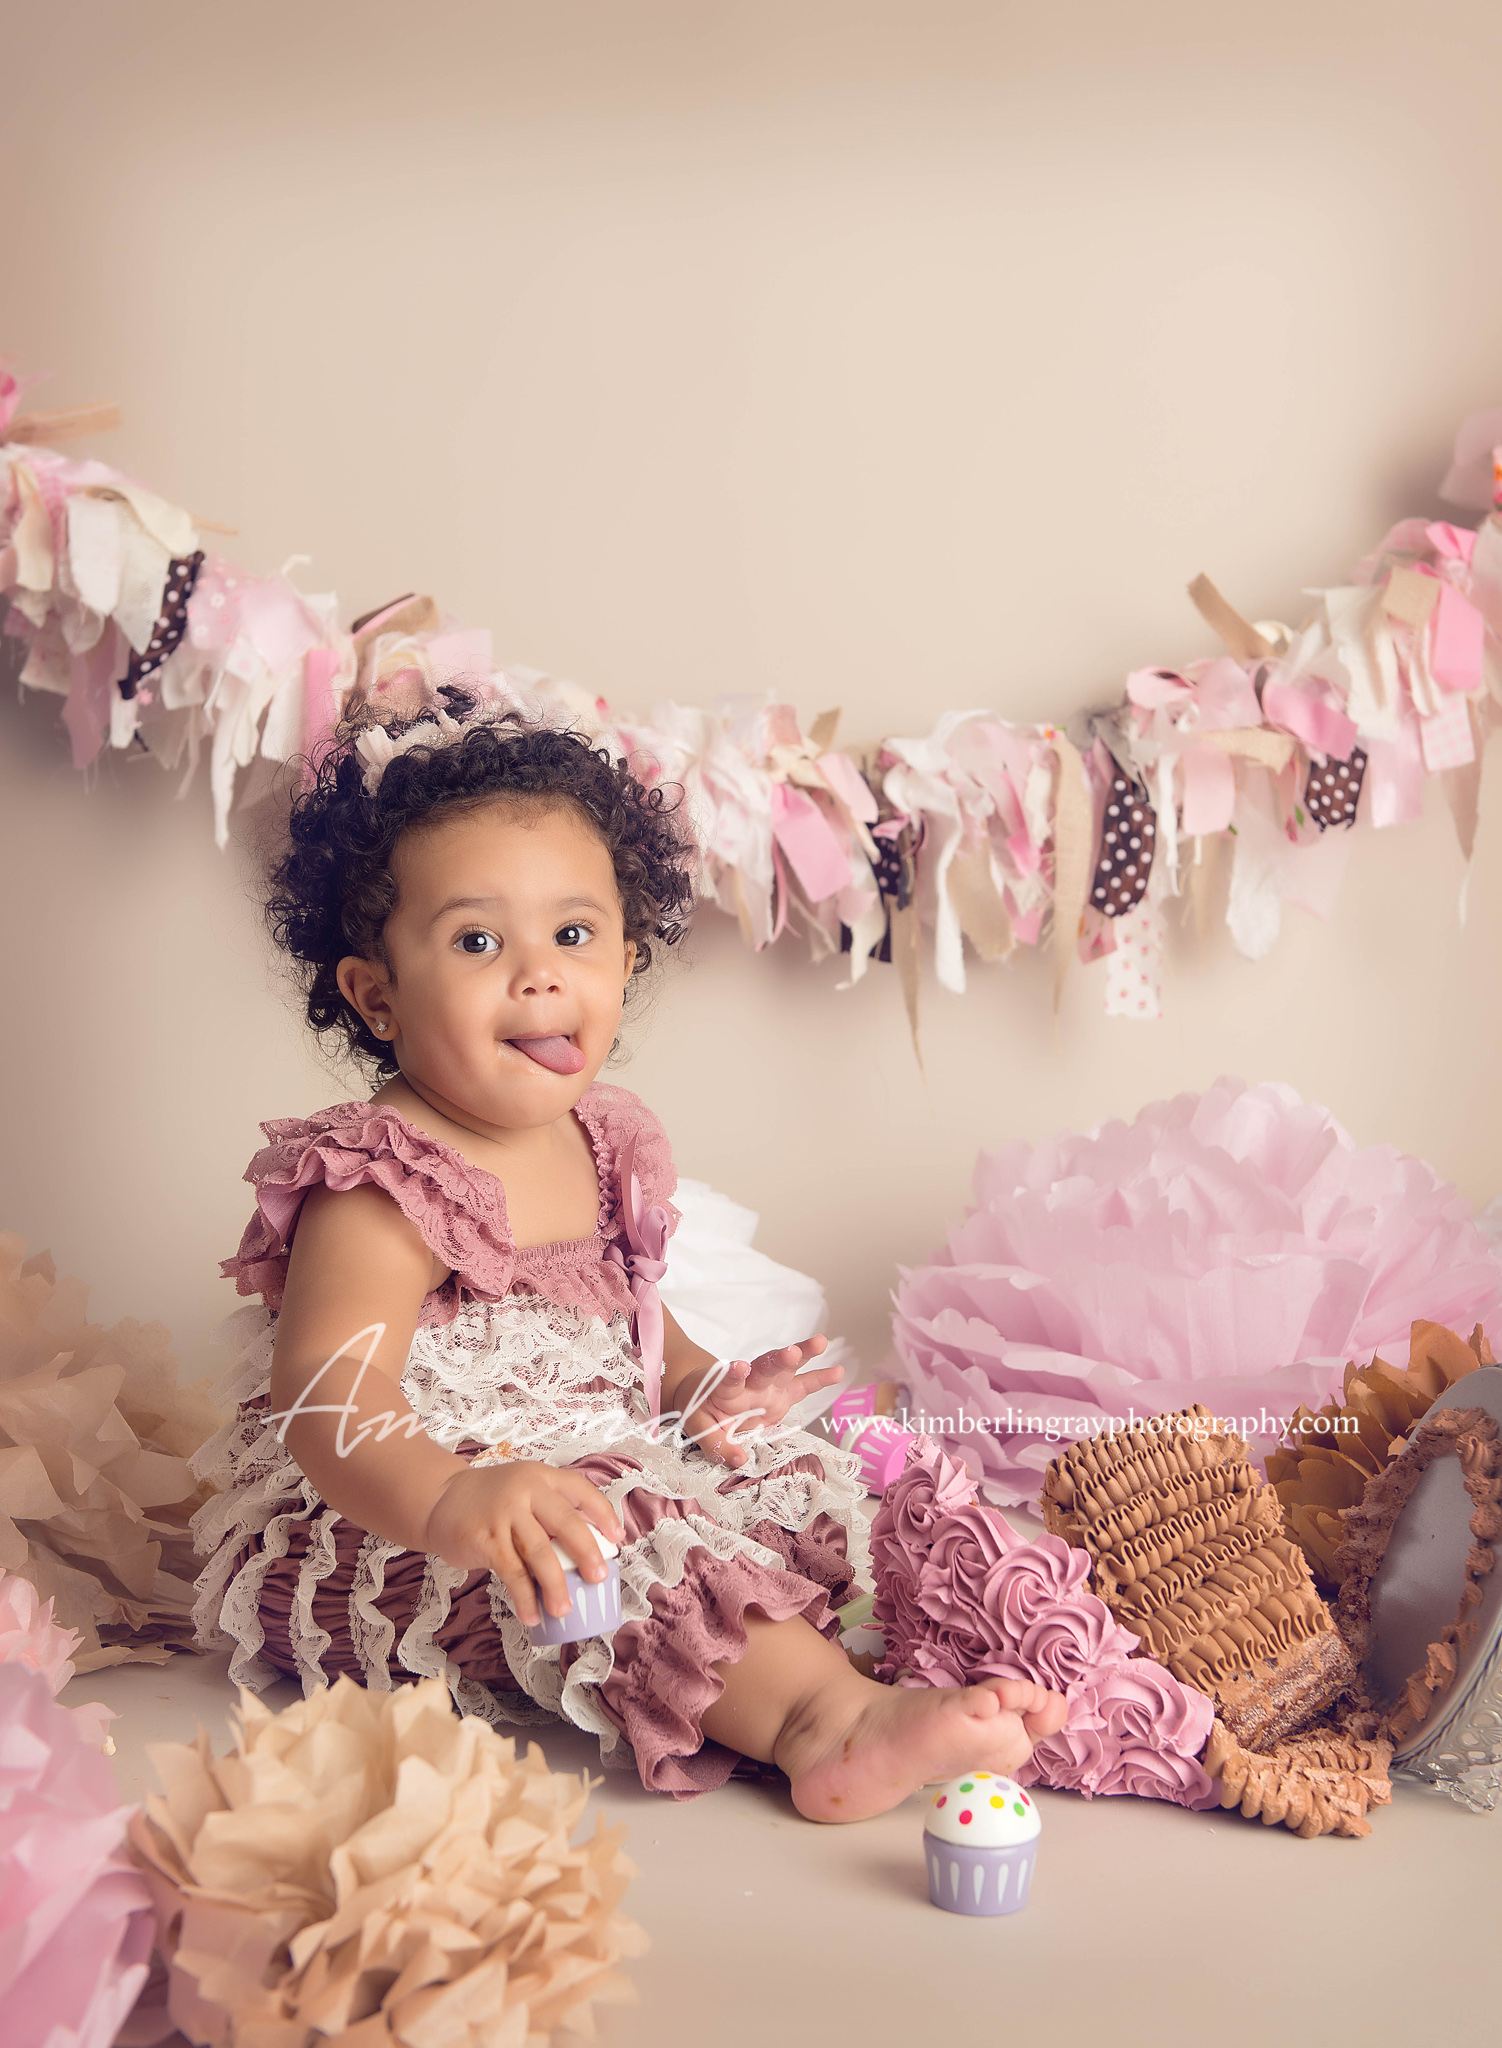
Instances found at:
x=504 y=1517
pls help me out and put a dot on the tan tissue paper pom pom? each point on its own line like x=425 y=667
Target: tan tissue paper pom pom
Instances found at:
x=95 y=1491
x=1318 y=1474
x=371 y=1868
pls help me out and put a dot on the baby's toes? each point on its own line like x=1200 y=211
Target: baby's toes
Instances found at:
x=1049 y=1718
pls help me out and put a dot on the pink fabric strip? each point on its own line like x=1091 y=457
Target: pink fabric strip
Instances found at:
x=1152 y=688
x=647 y=1230
x=808 y=839
x=1457 y=640
x=1395 y=776
x=850 y=786
x=320 y=665
x=1456 y=543
x=1319 y=725
x=1209 y=790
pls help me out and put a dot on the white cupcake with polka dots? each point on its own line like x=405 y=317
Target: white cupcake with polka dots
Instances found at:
x=980 y=1841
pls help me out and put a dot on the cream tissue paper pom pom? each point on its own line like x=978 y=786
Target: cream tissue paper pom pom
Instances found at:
x=95 y=1490
x=370 y=1868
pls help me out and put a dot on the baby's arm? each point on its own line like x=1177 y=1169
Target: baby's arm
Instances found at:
x=356 y=1279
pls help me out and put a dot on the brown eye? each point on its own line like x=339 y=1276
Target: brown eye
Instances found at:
x=571 y=935
x=475 y=952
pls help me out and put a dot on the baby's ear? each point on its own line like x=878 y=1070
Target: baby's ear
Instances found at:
x=360 y=984
x=630 y=960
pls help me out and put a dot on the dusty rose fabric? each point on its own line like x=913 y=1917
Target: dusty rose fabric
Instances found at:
x=467 y=1636
x=459 y=1208
x=662 y=1682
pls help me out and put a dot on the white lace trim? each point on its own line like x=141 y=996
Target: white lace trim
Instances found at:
x=544 y=1382
x=372 y=1633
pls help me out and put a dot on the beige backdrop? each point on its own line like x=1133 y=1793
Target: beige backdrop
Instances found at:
x=896 y=357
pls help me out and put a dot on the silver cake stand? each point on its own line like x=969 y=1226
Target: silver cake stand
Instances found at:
x=1414 y=1594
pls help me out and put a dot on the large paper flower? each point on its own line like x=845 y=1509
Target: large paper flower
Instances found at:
x=75 y=1916
x=370 y=1864
x=95 y=1434
x=1233 y=1248
x=31 y=1638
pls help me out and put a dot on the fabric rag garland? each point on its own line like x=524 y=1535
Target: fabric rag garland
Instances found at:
x=989 y=834
x=1234 y=1247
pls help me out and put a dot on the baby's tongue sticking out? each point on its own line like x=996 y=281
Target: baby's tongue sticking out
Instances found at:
x=559 y=1055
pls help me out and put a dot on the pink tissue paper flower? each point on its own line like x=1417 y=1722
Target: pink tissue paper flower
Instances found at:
x=29 y=1636
x=76 y=1925
x=1234 y=1248
x=961 y=1596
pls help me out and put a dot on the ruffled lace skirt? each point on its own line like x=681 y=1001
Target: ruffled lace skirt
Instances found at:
x=299 y=1591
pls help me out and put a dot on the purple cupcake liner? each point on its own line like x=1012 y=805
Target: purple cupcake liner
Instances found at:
x=595 y=1609
x=979 y=1882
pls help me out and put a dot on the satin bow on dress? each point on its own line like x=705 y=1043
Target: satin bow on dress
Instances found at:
x=644 y=1265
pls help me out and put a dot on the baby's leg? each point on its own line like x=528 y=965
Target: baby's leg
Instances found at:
x=852 y=1748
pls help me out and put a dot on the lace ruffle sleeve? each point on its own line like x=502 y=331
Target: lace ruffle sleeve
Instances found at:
x=344 y=1147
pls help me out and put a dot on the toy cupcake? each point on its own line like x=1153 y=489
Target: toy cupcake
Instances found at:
x=864 y=1421
x=595 y=1608
x=980 y=1842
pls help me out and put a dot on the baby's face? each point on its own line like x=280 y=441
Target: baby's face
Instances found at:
x=507 y=927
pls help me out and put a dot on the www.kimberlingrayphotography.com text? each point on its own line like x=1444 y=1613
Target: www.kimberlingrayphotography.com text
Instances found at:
x=1068 y=1428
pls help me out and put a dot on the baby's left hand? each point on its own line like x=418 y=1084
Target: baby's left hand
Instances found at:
x=756 y=1393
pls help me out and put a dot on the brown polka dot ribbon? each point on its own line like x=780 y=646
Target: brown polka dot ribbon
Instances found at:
x=896 y=875
x=893 y=872
x=172 y=623
x=1129 y=836
x=1334 y=790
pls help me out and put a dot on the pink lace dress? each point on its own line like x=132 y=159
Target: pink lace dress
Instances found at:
x=532 y=1347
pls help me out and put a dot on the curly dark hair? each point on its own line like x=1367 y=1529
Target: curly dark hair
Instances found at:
x=332 y=889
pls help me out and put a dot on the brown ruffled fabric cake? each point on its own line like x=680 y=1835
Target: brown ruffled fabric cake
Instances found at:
x=1190 y=1553
x=1319 y=1783
x=1318 y=1473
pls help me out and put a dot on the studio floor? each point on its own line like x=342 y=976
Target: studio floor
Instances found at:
x=1147 y=1925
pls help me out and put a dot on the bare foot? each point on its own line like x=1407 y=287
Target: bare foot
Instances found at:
x=852 y=1753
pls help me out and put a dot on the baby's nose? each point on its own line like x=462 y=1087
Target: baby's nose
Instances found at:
x=538 y=975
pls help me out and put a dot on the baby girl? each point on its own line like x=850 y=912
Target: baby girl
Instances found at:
x=465 y=1264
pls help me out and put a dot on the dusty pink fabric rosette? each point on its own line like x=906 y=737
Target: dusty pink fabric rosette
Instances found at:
x=961 y=1596
x=1234 y=1248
